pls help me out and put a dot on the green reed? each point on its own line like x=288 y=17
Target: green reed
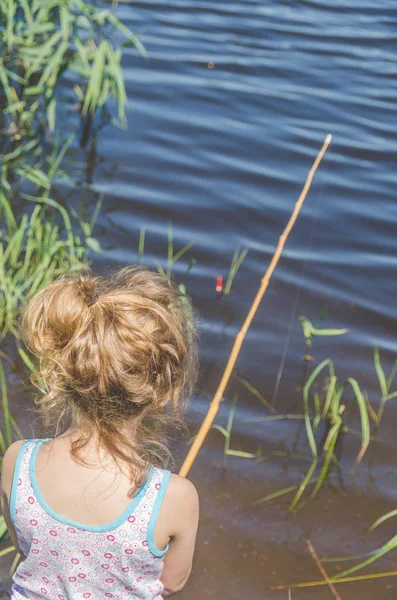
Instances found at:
x=43 y=40
x=234 y=267
x=34 y=251
x=5 y=440
x=227 y=434
x=39 y=238
x=141 y=250
x=328 y=408
x=309 y=331
x=385 y=383
x=370 y=557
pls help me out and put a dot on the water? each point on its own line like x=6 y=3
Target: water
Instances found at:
x=225 y=119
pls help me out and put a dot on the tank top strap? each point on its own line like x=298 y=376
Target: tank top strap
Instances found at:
x=21 y=482
x=155 y=487
x=147 y=511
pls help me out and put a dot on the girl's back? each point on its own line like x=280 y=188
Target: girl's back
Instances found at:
x=96 y=520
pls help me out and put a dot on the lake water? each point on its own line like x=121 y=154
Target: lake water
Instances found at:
x=225 y=120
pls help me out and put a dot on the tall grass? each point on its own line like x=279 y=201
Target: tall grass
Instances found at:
x=41 y=41
x=40 y=247
x=42 y=241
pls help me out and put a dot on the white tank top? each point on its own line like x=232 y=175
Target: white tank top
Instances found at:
x=66 y=560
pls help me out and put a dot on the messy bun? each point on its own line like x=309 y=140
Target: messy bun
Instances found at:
x=113 y=351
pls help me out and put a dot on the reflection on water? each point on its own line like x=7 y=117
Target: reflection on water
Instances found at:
x=224 y=121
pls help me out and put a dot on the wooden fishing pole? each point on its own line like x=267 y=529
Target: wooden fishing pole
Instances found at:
x=214 y=406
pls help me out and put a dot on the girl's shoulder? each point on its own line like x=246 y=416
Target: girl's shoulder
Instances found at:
x=8 y=465
x=181 y=488
x=180 y=502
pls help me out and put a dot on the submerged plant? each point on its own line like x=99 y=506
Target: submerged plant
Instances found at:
x=227 y=434
x=370 y=557
x=309 y=331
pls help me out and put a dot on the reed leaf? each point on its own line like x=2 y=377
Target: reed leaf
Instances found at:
x=309 y=383
x=303 y=485
x=3 y=528
x=365 y=429
x=390 y=545
x=6 y=412
x=96 y=79
x=141 y=248
x=234 y=267
x=380 y=372
x=7 y=550
x=330 y=394
x=14 y=564
x=389 y=515
x=257 y=394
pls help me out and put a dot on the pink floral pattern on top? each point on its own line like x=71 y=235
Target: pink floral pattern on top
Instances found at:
x=65 y=561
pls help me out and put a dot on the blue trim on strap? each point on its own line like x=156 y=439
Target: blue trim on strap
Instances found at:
x=92 y=528
x=153 y=517
x=15 y=478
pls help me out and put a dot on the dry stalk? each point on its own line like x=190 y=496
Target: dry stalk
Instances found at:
x=352 y=578
x=323 y=572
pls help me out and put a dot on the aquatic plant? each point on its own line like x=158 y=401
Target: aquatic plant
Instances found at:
x=32 y=254
x=43 y=40
x=347 y=574
x=373 y=556
x=309 y=331
x=385 y=384
x=227 y=433
x=172 y=257
x=35 y=247
x=234 y=267
x=6 y=439
x=141 y=249
x=328 y=410
x=332 y=409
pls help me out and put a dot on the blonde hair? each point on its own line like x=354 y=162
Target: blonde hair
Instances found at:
x=114 y=351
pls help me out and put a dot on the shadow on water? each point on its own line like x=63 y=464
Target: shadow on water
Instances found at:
x=224 y=121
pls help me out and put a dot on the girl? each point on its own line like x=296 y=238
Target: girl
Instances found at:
x=92 y=510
